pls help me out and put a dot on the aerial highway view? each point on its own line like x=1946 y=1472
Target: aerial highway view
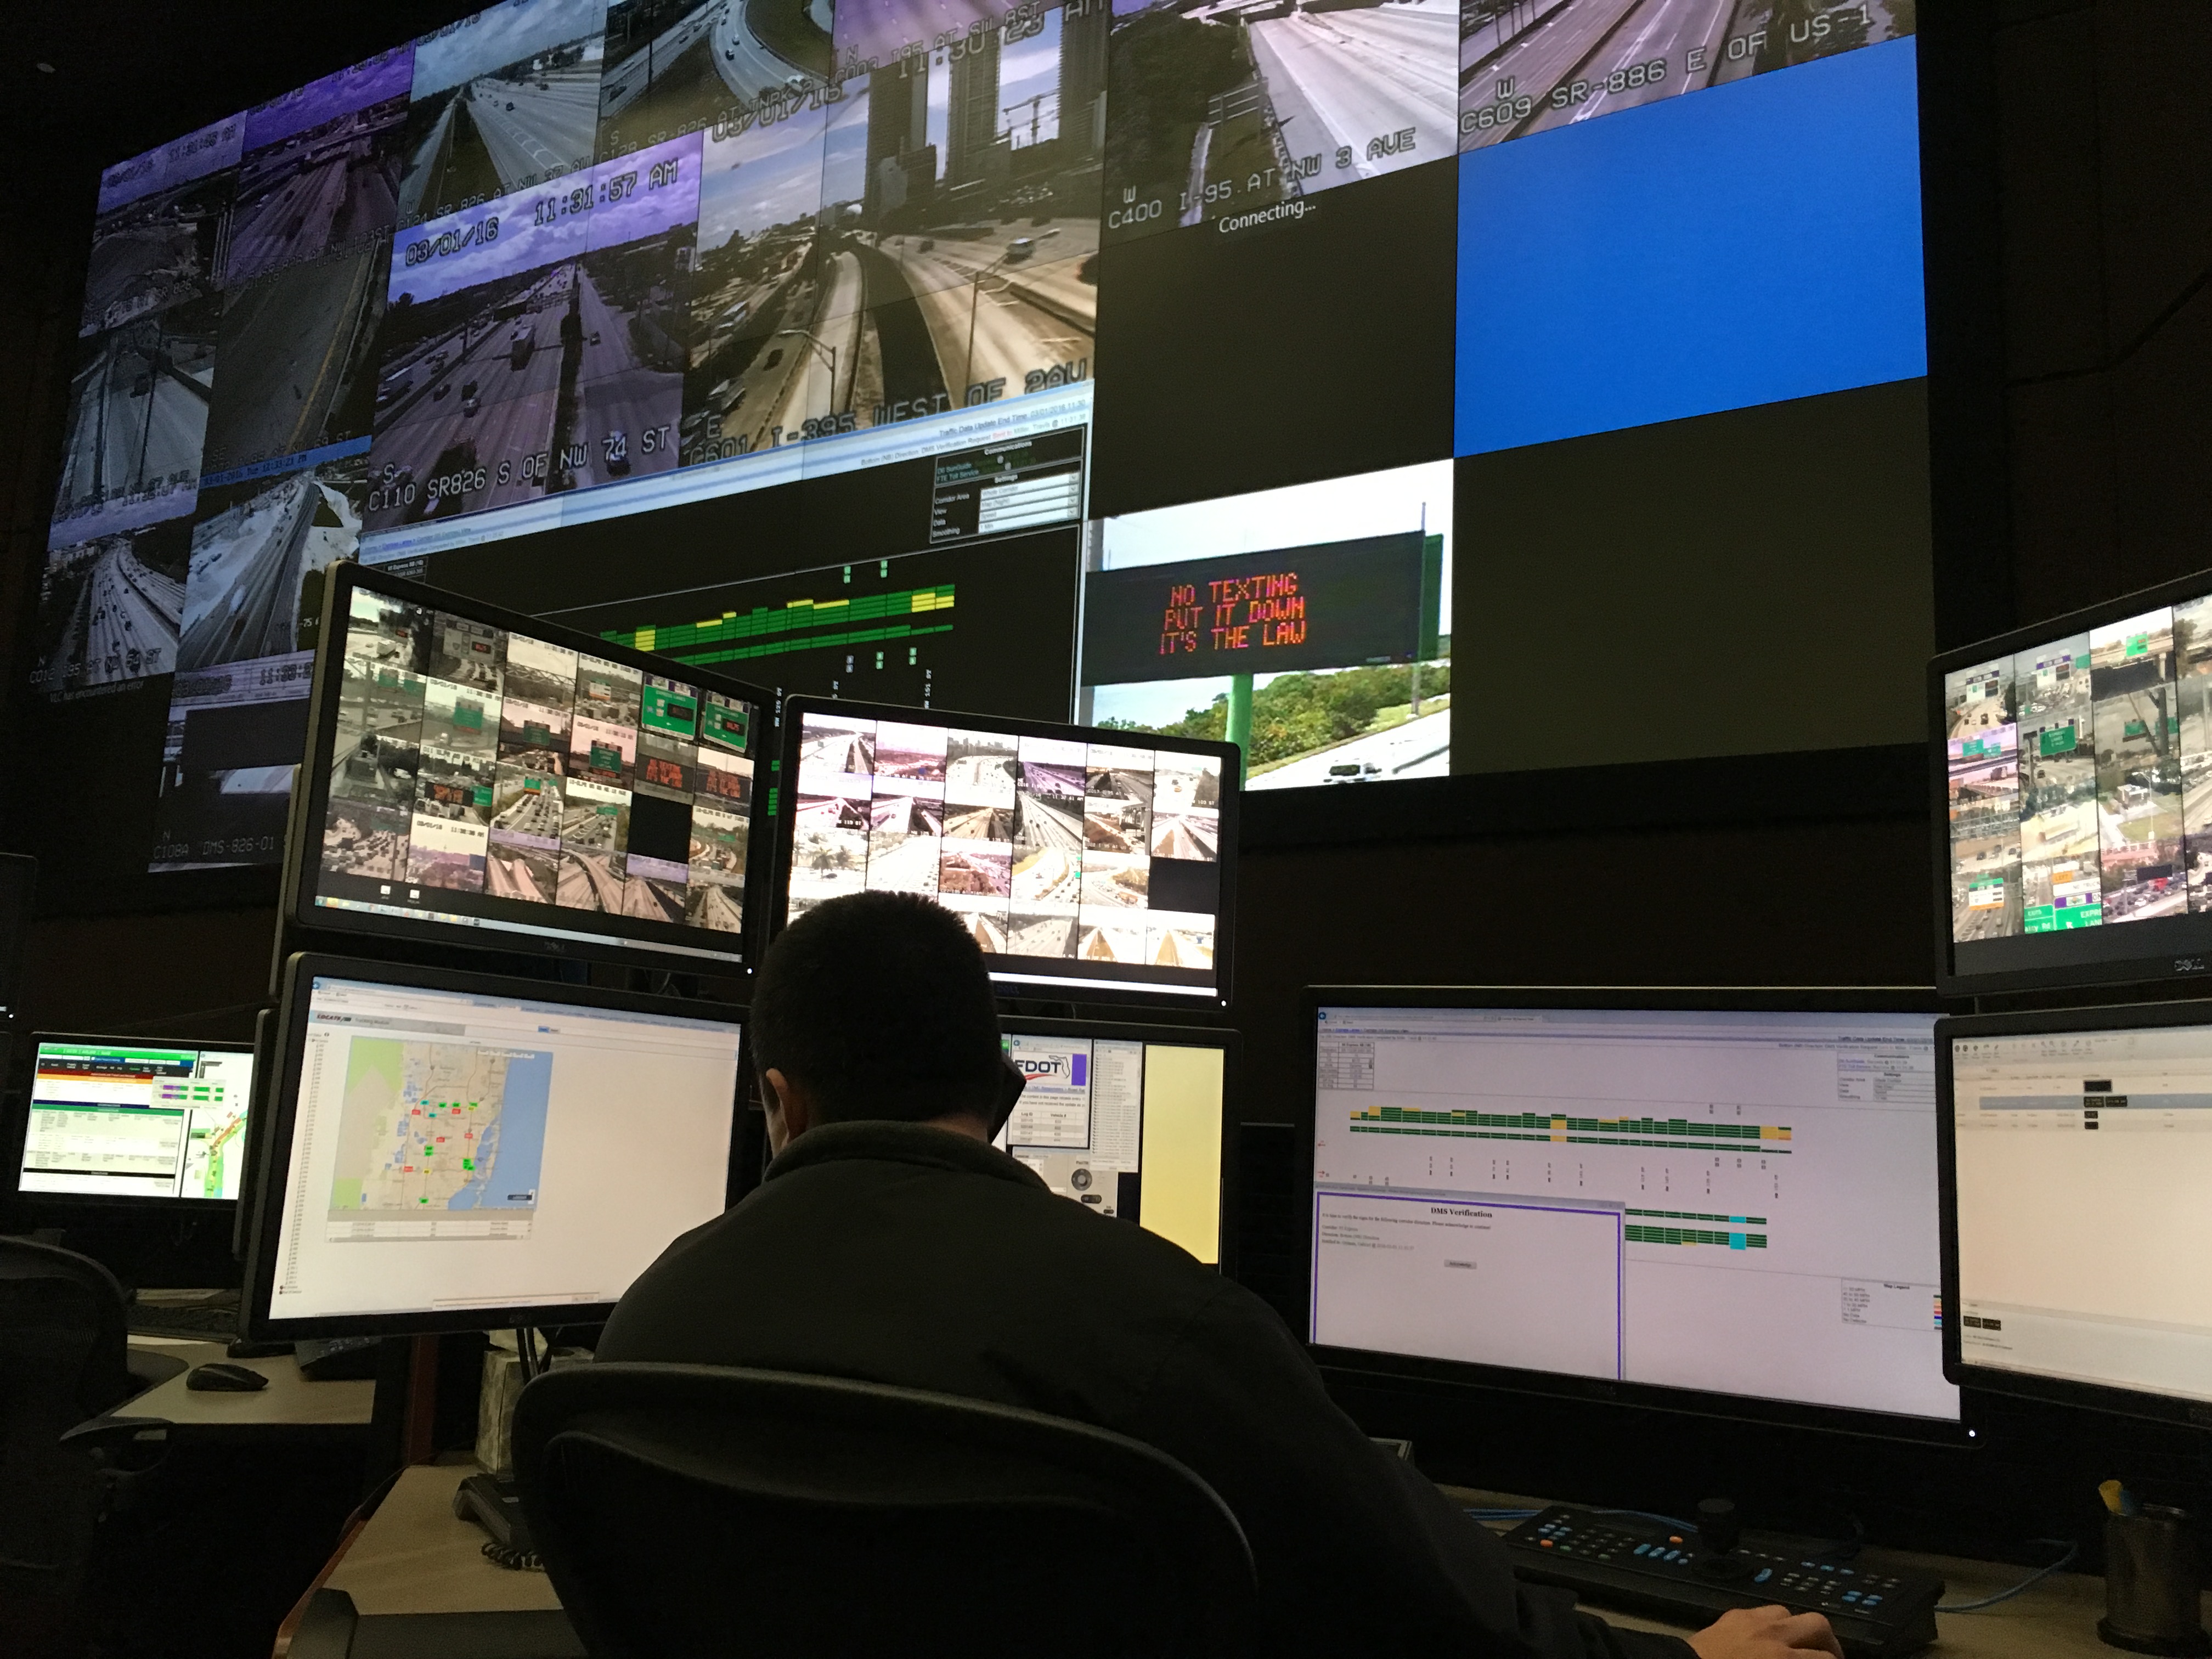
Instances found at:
x=715 y=903
x=296 y=352
x=591 y=881
x=250 y=560
x=1047 y=876
x=653 y=898
x=508 y=99
x=321 y=168
x=1041 y=933
x=1350 y=85
x=106 y=614
x=517 y=872
x=138 y=407
x=1530 y=65
x=682 y=64
x=153 y=253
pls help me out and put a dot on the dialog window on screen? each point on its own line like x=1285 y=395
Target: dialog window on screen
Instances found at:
x=1131 y=1129
x=133 y=1122
x=2083 y=1161
x=452 y=1151
x=1740 y=1203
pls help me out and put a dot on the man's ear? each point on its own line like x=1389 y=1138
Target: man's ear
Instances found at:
x=790 y=1109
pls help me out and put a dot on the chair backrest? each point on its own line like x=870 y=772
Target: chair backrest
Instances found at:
x=62 y=1360
x=684 y=1509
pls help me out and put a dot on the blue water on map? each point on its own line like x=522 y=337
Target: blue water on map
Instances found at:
x=507 y=1157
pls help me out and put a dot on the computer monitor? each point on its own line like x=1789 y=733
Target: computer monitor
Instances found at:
x=1129 y=1119
x=135 y=1122
x=2070 y=764
x=459 y=1151
x=2076 y=1163
x=1719 y=1201
x=1086 y=862
x=476 y=777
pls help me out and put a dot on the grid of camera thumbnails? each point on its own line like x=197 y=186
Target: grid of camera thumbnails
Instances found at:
x=482 y=776
x=2080 y=779
x=1045 y=847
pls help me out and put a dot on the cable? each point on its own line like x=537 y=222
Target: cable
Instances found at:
x=2072 y=1550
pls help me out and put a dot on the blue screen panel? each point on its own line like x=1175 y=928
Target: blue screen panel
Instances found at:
x=1756 y=242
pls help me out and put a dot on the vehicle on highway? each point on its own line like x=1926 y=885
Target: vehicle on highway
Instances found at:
x=1019 y=249
x=520 y=343
x=437 y=362
x=394 y=389
x=469 y=405
x=1354 y=772
x=510 y=103
x=443 y=387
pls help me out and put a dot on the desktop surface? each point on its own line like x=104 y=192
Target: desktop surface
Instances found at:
x=2080 y=1151
x=453 y=1152
x=123 y=1118
x=1721 y=1208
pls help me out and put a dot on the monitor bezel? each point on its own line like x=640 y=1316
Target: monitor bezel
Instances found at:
x=1457 y=1378
x=19 y=1131
x=289 y=1045
x=797 y=707
x=1993 y=1379
x=1231 y=1044
x=2143 y=968
x=311 y=794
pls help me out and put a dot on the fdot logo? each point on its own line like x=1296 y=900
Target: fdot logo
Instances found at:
x=1070 y=1067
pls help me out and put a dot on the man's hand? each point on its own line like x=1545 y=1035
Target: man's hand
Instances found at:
x=1765 y=1633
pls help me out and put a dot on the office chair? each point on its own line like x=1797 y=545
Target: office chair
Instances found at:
x=63 y=1359
x=683 y=1509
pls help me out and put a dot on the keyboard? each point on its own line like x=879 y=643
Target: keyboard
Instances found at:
x=1646 y=1566
x=211 y=1321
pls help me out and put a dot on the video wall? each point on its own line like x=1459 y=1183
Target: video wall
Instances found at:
x=1202 y=367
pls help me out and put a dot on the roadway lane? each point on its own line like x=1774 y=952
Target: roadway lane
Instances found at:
x=1041 y=936
x=623 y=400
x=533 y=130
x=603 y=875
x=748 y=68
x=711 y=904
x=286 y=348
x=292 y=220
x=623 y=84
x=247 y=567
x=1481 y=45
x=1046 y=825
x=1338 y=79
x=652 y=901
x=996 y=329
x=513 y=418
x=422 y=180
x=1050 y=875
x=509 y=875
x=1668 y=29
x=822 y=383
x=123 y=624
x=1418 y=749
x=536 y=812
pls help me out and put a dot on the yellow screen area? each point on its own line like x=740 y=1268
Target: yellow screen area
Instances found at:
x=1181 y=1151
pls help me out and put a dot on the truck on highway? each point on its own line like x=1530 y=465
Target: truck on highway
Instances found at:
x=522 y=342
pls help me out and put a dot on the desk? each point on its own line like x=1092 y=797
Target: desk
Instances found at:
x=2056 y=1618
x=289 y=1401
x=414 y=1581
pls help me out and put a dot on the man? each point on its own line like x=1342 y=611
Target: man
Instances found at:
x=890 y=1242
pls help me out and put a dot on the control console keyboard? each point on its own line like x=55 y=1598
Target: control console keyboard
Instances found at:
x=1646 y=1566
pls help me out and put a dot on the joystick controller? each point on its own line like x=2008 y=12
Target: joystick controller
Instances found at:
x=1719 y=1531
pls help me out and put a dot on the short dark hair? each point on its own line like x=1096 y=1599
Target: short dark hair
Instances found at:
x=880 y=1005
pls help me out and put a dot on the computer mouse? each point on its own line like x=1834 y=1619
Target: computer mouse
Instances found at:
x=226 y=1379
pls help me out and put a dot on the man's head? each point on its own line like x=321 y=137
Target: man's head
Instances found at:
x=875 y=1006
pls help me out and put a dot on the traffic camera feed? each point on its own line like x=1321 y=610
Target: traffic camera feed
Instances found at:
x=905 y=330
x=1072 y=861
x=2078 y=795
x=480 y=777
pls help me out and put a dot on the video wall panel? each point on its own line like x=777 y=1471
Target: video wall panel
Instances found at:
x=1169 y=366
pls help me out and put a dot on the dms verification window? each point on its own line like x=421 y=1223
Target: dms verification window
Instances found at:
x=1743 y=1202
x=452 y=1151
x=2085 y=1235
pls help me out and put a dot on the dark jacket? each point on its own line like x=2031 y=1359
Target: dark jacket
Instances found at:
x=899 y=1254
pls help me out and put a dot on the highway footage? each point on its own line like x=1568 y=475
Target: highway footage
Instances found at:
x=1046 y=849
x=492 y=771
x=2081 y=780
